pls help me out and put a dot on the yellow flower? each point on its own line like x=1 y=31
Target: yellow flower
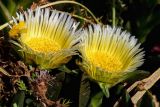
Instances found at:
x=16 y=29
x=47 y=38
x=109 y=53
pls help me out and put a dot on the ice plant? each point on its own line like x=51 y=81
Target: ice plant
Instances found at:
x=109 y=54
x=47 y=38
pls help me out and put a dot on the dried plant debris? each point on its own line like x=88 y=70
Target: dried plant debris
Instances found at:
x=26 y=78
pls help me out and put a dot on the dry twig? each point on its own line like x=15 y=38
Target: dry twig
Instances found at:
x=143 y=85
x=147 y=85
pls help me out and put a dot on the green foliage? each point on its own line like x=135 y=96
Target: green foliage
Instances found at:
x=96 y=100
x=105 y=88
x=126 y=100
x=55 y=86
x=135 y=76
x=15 y=105
x=63 y=68
x=18 y=99
x=85 y=91
x=21 y=85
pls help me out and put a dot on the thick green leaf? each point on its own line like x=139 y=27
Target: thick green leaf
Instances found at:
x=96 y=100
x=65 y=69
x=119 y=89
x=15 y=105
x=18 y=99
x=85 y=91
x=55 y=86
x=126 y=100
x=105 y=88
x=135 y=76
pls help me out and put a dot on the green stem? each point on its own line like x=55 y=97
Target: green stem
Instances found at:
x=71 y=2
x=113 y=13
x=77 y=16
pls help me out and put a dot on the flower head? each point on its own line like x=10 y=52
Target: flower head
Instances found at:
x=47 y=38
x=109 y=53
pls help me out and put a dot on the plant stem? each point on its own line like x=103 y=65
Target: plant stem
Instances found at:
x=147 y=85
x=113 y=13
x=71 y=2
x=77 y=16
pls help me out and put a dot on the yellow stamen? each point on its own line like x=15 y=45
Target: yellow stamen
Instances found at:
x=21 y=24
x=16 y=29
x=105 y=61
x=43 y=45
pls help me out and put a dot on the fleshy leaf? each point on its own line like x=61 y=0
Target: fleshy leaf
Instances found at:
x=96 y=100
x=126 y=100
x=19 y=99
x=85 y=91
x=55 y=86
x=135 y=76
x=65 y=69
x=119 y=89
x=105 y=88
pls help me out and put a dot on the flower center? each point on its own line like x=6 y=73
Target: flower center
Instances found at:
x=43 y=45
x=106 y=61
